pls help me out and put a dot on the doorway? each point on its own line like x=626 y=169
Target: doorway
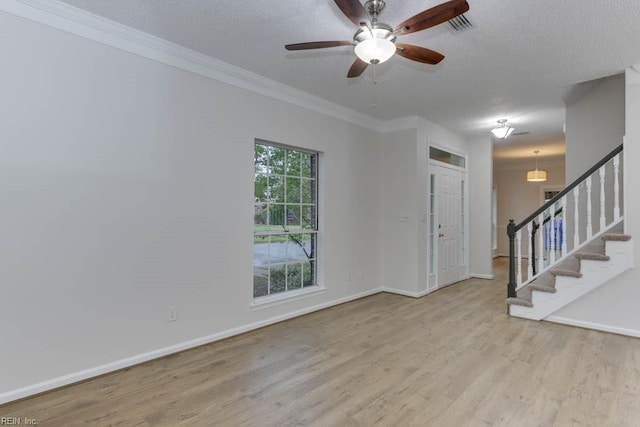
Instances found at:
x=448 y=240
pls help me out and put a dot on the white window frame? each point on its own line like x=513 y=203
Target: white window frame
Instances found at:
x=293 y=215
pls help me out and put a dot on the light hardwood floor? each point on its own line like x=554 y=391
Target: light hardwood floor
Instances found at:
x=452 y=358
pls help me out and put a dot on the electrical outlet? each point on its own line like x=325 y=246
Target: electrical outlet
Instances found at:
x=172 y=314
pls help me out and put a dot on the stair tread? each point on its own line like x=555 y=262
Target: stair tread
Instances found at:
x=519 y=301
x=542 y=288
x=565 y=272
x=616 y=237
x=597 y=247
x=592 y=256
x=545 y=280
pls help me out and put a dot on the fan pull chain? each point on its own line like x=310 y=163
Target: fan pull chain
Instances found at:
x=375 y=83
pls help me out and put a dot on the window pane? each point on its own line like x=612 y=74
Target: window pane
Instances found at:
x=260 y=281
x=259 y=216
x=309 y=217
x=276 y=160
x=307 y=164
x=275 y=189
x=293 y=163
x=293 y=190
x=307 y=191
x=277 y=249
x=293 y=216
x=260 y=205
x=308 y=273
x=446 y=157
x=298 y=247
x=260 y=187
x=294 y=276
x=261 y=159
x=306 y=245
x=277 y=279
x=276 y=217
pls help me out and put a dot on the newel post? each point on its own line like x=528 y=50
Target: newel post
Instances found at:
x=511 y=287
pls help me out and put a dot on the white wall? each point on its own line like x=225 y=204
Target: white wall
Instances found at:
x=126 y=188
x=517 y=198
x=614 y=306
x=399 y=238
x=480 y=186
x=595 y=124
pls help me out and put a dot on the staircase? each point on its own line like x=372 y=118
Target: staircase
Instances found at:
x=594 y=264
x=556 y=268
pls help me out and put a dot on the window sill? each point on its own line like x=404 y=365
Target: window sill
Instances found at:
x=273 y=300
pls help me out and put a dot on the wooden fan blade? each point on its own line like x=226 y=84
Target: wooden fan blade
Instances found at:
x=357 y=68
x=354 y=10
x=419 y=54
x=316 y=45
x=432 y=17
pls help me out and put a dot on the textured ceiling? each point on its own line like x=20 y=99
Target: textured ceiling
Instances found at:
x=518 y=62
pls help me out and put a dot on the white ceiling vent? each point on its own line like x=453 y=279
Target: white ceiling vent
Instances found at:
x=460 y=23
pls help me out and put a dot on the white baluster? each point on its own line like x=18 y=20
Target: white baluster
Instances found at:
x=519 y=243
x=552 y=235
x=576 y=218
x=603 y=218
x=563 y=232
x=531 y=255
x=589 y=226
x=540 y=243
x=616 y=187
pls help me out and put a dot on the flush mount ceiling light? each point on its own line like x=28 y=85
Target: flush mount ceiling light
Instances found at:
x=502 y=131
x=537 y=175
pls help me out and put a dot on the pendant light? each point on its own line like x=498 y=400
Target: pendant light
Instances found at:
x=537 y=175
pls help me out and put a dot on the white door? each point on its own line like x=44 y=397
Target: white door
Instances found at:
x=450 y=225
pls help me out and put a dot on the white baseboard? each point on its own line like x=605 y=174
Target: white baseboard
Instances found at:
x=405 y=293
x=75 y=377
x=596 y=326
x=483 y=276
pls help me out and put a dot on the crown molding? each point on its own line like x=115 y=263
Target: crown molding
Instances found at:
x=79 y=22
x=396 y=125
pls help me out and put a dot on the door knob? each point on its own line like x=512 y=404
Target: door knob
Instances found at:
x=440 y=234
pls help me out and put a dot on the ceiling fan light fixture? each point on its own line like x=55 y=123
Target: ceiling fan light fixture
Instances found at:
x=375 y=42
x=375 y=51
x=502 y=131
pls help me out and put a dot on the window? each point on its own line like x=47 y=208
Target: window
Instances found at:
x=285 y=219
x=446 y=157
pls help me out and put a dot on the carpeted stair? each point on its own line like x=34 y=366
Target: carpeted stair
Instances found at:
x=570 y=267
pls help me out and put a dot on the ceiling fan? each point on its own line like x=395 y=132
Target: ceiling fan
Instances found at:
x=375 y=42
